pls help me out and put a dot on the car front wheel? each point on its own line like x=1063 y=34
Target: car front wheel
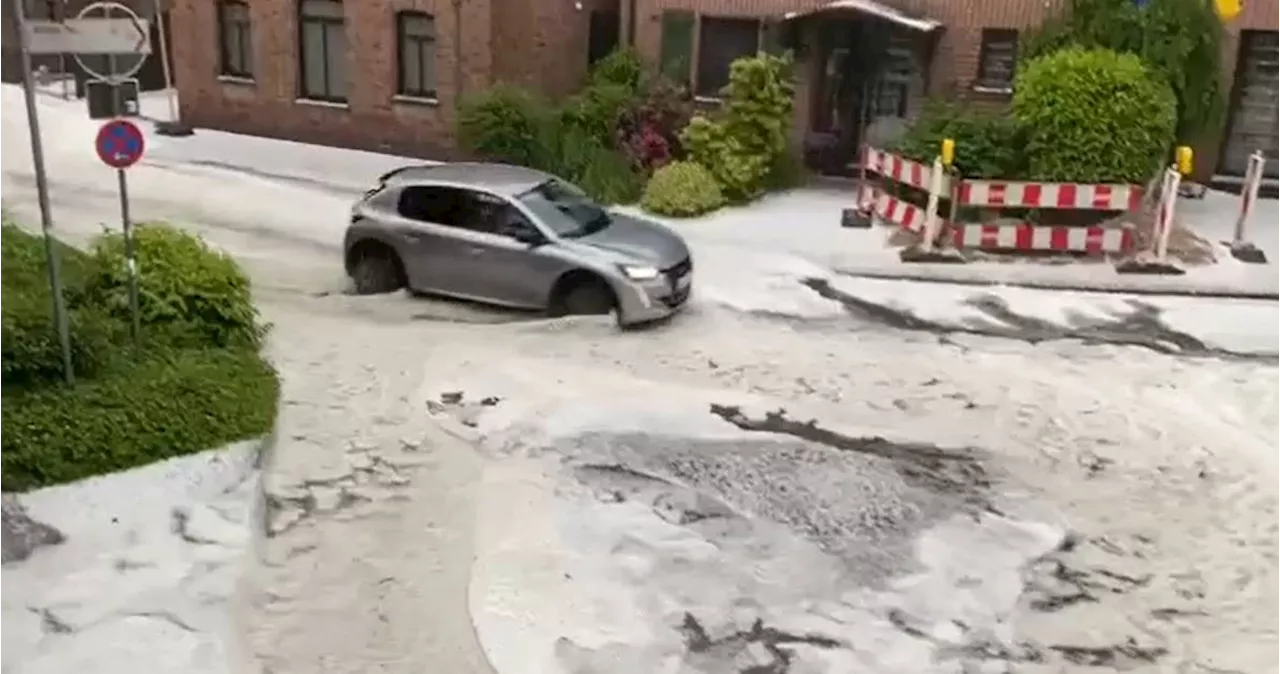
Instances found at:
x=588 y=297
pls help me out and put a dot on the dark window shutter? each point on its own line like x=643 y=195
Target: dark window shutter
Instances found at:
x=676 y=58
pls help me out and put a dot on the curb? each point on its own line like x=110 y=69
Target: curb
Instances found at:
x=1035 y=285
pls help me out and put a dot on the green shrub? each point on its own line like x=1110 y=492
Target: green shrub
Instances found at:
x=786 y=171
x=741 y=142
x=1181 y=41
x=184 y=402
x=24 y=259
x=622 y=67
x=1093 y=116
x=184 y=286
x=682 y=189
x=609 y=177
x=597 y=110
x=30 y=351
x=737 y=163
x=604 y=173
x=987 y=145
x=506 y=123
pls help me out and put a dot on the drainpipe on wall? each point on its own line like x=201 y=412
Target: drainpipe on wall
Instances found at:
x=174 y=126
x=631 y=23
x=458 y=87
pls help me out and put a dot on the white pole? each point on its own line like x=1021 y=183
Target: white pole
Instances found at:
x=1164 y=222
x=931 y=221
x=1248 y=195
x=170 y=93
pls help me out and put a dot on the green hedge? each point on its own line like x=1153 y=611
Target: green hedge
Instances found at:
x=170 y=405
x=1093 y=116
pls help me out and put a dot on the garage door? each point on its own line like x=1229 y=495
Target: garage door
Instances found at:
x=1253 y=121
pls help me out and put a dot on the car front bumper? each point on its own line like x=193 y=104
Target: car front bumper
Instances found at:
x=658 y=298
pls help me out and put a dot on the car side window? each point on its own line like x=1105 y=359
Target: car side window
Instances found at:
x=439 y=205
x=507 y=220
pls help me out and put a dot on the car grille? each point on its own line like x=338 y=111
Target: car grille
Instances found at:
x=677 y=297
x=679 y=269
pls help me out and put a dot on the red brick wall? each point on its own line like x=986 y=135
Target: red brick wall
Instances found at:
x=541 y=44
x=372 y=118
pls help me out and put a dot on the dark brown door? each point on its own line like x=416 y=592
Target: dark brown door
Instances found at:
x=1253 y=118
x=603 y=36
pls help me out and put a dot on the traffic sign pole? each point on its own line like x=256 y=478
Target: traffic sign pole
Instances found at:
x=126 y=224
x=42 y=197
x=120 y=144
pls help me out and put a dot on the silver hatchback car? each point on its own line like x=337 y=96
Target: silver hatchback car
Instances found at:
x=515 y=237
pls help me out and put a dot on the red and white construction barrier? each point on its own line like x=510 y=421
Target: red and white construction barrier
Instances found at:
x=1025 y=236
x=1009 y=236
x=1073 y=196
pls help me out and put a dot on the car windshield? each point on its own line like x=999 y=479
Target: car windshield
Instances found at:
x=565 y=209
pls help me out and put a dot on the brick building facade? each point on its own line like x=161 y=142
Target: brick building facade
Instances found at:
x=385 y=74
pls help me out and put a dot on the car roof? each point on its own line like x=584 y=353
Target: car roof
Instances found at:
x=505 y=179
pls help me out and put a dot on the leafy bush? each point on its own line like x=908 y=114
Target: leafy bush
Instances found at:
x=1181 y=41
x=622 y=68
x=608 y=177
x=1093 y=116
x=506 y=124
x=650 y=131
x=30 y=351
x=786 y=171
x=742 y=141
x=184 y=286
x=177 y=404
x=987 y=145
x=597 y=110
x=682 y=189
x=602 y=172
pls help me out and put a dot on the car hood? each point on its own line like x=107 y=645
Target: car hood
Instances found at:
x=639 y=241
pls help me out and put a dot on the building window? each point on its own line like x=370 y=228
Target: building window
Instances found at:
x=236 y=39
x=323 y=50
x=416 y=37
x=997 y=59
x=721 y=41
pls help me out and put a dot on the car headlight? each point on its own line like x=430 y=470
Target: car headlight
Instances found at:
x=640 y=272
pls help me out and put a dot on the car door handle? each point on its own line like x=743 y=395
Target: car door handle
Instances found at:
x=475 y=250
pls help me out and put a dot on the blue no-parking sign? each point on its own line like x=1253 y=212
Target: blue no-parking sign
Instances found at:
x=120 y=143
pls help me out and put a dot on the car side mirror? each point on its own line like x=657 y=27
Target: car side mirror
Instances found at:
x=522 y=232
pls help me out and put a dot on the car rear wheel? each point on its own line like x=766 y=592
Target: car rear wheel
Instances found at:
x=587 y=296
x=377 y=270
